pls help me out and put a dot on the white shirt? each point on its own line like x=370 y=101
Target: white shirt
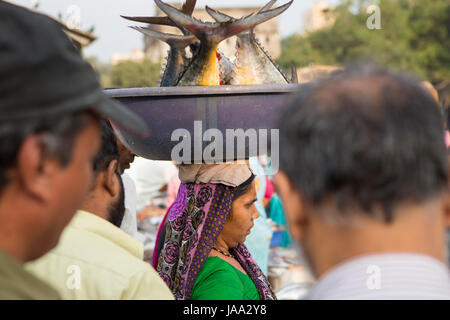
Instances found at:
x=95 y=260
x=149 y=176
x=129 y=221
x=387 y=276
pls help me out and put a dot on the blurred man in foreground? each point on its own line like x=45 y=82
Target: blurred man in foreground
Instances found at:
x=95 y=259
x=49 y=105
x=364 y=183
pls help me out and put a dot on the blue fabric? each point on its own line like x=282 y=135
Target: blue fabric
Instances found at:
x=258 y=242
x=276 y=213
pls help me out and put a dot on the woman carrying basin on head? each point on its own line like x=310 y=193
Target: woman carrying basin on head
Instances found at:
x=202 y=255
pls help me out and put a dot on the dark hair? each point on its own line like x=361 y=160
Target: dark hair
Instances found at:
x=241 y=189
x=109 y=150
x=59 y=133
x=367 y=137
x=244 y=187
x=116 y=210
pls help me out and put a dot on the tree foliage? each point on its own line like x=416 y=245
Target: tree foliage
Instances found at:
x=414 y=37
x=135 y=74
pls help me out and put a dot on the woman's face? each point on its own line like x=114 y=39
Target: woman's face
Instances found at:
x=240 y=222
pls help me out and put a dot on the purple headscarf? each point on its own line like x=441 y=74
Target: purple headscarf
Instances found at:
x=195 y=220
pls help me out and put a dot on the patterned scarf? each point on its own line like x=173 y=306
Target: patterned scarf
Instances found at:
x=195 y=221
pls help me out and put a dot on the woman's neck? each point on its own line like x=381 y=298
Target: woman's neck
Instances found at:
x=222 y=245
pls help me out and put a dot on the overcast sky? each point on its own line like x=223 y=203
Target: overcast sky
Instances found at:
x=113 y=33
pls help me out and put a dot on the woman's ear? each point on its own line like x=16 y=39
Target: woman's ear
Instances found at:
x=110 y=182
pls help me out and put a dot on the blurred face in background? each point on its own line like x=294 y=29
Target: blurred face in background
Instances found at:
x=116 y=208
x=126 y=157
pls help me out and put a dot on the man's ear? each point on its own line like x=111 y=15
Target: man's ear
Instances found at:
x=110 y=181
x=293 y=205
x=33 y=170
x=446 y=198
x=446 y=208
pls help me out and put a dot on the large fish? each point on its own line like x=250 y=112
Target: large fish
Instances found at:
x=204 y=68
x=253 y=64
x=226 y=68
x=176 y=60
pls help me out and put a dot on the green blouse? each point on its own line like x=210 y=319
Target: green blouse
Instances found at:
x=219 y=280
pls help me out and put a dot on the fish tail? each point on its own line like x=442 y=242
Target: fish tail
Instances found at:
x=267 y=6
x=222 y=17
x=165 y=21
x=188 y=8
x=174 y=41
x=216 y=32
x=219 y=16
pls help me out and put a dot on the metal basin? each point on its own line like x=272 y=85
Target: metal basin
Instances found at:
x=225 y=107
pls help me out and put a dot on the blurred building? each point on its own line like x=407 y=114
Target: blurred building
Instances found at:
x=267 y=33
x=318 y=17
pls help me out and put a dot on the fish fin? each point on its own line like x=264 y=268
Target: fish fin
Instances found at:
x=216 y=32
x=271 y=60
x=294 y=78
x=188 y=8
x=173 y=40
x=153 y=20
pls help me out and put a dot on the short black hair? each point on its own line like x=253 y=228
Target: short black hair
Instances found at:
x=109 y=149
x=59 y=133
x=365 y=136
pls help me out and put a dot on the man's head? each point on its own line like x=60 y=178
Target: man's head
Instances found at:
x=50 y=102
x=106 y=196
x=363 y=167
x=45 y=172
